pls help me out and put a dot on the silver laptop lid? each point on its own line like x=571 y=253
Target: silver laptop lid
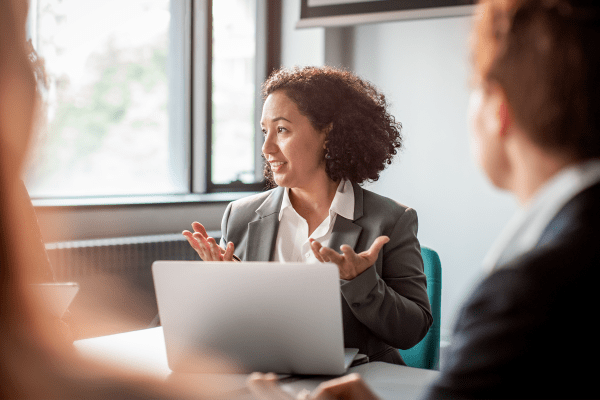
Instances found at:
x=270 y=317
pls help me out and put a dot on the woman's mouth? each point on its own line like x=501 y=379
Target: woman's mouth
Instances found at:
x=275 y=166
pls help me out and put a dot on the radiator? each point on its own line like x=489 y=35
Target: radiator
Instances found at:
x=124 y=255
x=115 y=278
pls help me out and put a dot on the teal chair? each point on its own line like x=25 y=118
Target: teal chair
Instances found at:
x=426 y=353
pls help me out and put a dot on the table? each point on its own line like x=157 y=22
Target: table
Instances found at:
x=144 y=351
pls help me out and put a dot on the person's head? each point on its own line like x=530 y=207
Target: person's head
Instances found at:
x=341 y=126
x=537 y=66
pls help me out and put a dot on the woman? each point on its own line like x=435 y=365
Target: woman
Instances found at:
x=326 y=131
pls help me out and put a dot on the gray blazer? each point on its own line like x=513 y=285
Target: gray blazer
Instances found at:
x=384 y=308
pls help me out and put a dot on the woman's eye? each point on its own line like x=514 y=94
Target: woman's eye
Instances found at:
x=264 y=131
x=281 y=129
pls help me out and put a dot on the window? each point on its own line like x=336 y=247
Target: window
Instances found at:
x=132 y=106
x=233 y=92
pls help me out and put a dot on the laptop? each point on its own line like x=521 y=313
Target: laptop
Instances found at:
x=266 y=316
x=56 y=297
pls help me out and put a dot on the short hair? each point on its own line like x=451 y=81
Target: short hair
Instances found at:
x=364 y=137
x=545 y=56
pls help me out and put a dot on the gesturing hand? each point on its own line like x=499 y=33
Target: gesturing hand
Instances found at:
x=349 y=263
x=206 y=246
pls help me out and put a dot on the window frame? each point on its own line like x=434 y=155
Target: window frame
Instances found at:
x=268 y=58
x=195 y=133
x=77 y=218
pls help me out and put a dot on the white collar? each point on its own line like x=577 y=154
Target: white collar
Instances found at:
x=342 y=204
x=525 y=228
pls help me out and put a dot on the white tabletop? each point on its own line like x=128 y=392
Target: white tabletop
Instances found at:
x=145 y=351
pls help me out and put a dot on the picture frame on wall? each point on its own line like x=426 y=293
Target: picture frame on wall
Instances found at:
x=330 y=13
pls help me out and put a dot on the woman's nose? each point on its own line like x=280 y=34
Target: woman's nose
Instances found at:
x=269 y=146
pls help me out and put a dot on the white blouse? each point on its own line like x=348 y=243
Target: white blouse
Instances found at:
x=292 y=243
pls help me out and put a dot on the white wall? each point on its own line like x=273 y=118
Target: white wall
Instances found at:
x=300 y=47
x=422 y=66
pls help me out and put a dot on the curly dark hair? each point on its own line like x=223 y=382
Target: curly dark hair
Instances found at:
x=364 y=137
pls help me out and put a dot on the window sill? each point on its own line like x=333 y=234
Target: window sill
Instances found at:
x=107 y=217
x=150 y=200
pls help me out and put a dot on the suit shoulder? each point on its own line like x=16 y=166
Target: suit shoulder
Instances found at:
x=373 y=202
x=253 y=201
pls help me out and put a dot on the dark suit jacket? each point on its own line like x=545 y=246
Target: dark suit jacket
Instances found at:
x=384 y=308
x=527 y=330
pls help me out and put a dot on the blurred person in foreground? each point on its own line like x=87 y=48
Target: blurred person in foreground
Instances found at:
x=525 y=331
x=36 y=359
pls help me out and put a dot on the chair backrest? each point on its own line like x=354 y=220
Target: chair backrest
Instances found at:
x=426 y=353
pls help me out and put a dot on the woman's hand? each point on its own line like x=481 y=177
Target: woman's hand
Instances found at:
x=206 y=246
x=349 y=387
x=350 y=264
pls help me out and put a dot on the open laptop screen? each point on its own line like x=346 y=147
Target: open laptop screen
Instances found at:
x=277 y=317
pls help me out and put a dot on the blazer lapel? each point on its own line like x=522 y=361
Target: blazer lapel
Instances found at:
x=262 y=233
x=346 y=231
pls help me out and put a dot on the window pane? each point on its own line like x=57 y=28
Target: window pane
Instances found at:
x=233 y=97
x=105 y=129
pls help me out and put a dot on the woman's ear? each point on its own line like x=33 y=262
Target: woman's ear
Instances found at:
x=326 y=131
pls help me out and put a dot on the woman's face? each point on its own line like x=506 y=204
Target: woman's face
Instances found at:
x=294 y=149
